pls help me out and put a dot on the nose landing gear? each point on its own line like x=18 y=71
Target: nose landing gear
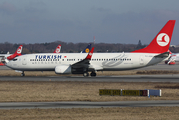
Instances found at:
x=86 y=74
x=22 y=74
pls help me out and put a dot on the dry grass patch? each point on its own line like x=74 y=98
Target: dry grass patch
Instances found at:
x=136 y=113
x=78 y=91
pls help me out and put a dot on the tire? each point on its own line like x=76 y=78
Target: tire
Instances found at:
x=93 y=74
x=86 y=74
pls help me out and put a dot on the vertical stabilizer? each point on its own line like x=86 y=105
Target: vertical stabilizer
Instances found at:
x=161 y=42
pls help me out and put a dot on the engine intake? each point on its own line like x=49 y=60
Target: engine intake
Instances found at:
x=63 y=69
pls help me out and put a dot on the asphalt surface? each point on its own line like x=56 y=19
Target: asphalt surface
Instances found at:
x=154 y=67
x=46 y=105
x=160 y=66
x=122 y=78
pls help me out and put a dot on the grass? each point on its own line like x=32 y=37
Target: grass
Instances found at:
x=135 y=113
x=18 y=91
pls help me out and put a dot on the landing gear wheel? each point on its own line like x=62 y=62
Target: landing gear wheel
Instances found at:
x=22 y=74
x=86 y=74
x=93 y=74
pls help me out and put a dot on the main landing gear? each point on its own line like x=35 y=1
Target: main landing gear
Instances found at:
x=22 y=74
x=92 y=74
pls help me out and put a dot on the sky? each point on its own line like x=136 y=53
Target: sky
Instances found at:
x=110 y=21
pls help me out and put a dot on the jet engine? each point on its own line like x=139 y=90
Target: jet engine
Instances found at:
x=63 y=69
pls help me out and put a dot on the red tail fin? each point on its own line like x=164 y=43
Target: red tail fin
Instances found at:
x=161 y=42
x=57 y=50
x=88 y=57
x=17 y=53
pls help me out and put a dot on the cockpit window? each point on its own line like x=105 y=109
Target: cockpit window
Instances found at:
x=14 y=59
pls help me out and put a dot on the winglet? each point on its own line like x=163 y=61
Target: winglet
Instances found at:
x=88 y=57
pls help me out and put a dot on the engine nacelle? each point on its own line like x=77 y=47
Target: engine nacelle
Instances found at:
x=63 y=69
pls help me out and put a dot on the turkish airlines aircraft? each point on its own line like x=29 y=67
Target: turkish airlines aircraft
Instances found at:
x=77 y=63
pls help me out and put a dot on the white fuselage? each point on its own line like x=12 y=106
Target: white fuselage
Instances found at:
x=98 y=62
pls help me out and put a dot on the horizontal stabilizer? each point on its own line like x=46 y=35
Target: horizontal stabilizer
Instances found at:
x=165 y=54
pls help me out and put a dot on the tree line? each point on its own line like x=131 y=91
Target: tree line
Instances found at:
x=72 y=47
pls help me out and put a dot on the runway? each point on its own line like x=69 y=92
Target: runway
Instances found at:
x=159 y=66
x=47 y=105
x=122 y=78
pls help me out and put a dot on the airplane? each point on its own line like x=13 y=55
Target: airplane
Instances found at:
x=77 y=63
x=172 y=59
x=87 y=49
x=57 y=50
x=17 y=53
x=11 y=56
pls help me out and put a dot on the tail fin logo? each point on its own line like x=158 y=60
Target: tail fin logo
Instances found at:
x=19 y=50
x=58 y=50
x=163 y=39
x=87 y=50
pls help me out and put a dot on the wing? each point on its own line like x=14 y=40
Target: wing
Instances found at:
x=85 y=62
x=165 y=54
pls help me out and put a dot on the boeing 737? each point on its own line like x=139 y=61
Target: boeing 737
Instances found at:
x=77 y=63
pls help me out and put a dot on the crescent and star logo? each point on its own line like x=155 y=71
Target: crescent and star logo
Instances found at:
x=163 y=39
